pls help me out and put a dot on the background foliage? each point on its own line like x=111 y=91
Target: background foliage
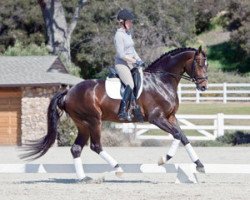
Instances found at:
x=160 y=25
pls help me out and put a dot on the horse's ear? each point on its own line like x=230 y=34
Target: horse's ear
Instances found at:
x=200 y=49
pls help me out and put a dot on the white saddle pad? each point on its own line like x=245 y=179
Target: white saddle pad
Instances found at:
x=113 y=87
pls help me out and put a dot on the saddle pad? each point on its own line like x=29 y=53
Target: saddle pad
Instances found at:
x=113 y=87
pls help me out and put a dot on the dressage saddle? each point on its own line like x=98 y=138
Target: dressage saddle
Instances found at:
x=137 y=84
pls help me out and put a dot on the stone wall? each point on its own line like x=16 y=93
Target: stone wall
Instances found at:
x=35 y=101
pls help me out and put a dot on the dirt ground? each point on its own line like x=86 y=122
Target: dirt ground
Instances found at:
x=131 y=186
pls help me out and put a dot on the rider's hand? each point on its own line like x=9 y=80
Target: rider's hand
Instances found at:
x=140 y=63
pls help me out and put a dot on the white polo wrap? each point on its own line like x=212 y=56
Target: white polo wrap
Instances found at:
x=191 y=152
x=173 y=148
x=79 y=169
x=105 y=156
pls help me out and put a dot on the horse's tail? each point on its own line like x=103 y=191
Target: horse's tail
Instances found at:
x=37 y=148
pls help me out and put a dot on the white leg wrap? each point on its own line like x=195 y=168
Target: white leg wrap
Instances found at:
x=174 y=147
x=191 y=152
x=104 y=155
x=79 y=169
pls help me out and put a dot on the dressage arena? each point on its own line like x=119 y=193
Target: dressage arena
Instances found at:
x=228 y=175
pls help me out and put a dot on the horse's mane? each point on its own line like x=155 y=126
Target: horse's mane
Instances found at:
x=173 y=53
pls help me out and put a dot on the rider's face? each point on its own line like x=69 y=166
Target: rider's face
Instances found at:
x=129 y=24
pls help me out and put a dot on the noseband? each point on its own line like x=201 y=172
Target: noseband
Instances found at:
x=191 y=78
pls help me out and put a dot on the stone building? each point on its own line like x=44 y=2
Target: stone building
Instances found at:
x=27 y=84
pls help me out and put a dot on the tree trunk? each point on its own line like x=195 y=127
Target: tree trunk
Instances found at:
x=57 y=29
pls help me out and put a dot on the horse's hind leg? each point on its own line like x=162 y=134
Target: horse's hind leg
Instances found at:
x=96 y=146
x=76 y=150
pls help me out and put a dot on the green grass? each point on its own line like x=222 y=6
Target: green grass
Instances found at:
x=214 y=108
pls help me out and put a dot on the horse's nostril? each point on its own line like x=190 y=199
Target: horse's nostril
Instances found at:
x=203 y=88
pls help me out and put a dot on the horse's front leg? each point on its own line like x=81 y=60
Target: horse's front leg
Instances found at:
x=171 y=125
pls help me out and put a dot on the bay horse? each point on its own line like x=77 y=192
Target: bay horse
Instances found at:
x=88 y=104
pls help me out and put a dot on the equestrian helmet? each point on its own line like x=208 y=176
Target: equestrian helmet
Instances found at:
x=124 y=15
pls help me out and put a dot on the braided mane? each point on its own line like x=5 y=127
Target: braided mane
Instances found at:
x=173 y=53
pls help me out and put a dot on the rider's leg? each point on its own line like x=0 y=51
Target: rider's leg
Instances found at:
x=126 y=77
x=123 y=115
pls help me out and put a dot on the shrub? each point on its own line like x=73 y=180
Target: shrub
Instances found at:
x=113 y=138
x=67 y=132
x=228 y=138
x=19 y=49
x=210 y=143
x=151 y=143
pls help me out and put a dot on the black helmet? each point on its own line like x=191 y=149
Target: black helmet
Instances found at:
x=125 y=15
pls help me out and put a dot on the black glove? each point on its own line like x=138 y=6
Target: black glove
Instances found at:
x=140 y=63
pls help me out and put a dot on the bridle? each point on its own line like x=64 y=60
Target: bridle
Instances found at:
x=191 y=78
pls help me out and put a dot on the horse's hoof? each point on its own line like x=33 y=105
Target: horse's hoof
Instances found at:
x=200 y=169
x=119 y=172
x=199 y=166
x=86 y=179
x=162 y=160
x=89 y=180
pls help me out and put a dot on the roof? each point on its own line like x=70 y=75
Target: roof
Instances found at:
x=35 y=71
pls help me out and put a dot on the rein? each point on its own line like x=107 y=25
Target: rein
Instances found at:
x=188 y=78
x=179 y=75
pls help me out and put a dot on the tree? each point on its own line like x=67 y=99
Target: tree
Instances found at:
x=19 y=49
x=159 y=25
x=20 y=21
x=58 y=32
x=238 y=17
x=205 y=10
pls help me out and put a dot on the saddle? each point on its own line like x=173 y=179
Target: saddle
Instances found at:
x=115 y=89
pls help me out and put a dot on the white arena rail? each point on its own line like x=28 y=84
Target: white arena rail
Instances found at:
x=223 y=92
x=208 y=132
x=185 y=172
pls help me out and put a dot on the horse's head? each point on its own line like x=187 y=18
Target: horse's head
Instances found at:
x=198 y=70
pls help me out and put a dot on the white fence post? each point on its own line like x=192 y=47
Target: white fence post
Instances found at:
x=197 y=96
x=215 y=128
x=220 y=124
x=219 y=127
x=224 y=92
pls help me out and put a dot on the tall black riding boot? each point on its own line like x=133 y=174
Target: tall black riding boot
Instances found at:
x=123 y=114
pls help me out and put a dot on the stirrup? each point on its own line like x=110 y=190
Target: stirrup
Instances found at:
x=124 y=116
x=138 y=114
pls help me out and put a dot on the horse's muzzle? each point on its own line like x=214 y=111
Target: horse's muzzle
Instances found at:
x=201 y=87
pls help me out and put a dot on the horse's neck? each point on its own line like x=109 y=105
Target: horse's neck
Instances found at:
x=177 y=64
x=174 y=69
x=171 y=64
x=169 y=70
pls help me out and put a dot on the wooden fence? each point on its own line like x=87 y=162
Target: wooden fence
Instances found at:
x=218 y=126
x=222 y=92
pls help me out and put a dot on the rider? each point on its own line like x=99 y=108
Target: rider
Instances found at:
x=125 y=58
